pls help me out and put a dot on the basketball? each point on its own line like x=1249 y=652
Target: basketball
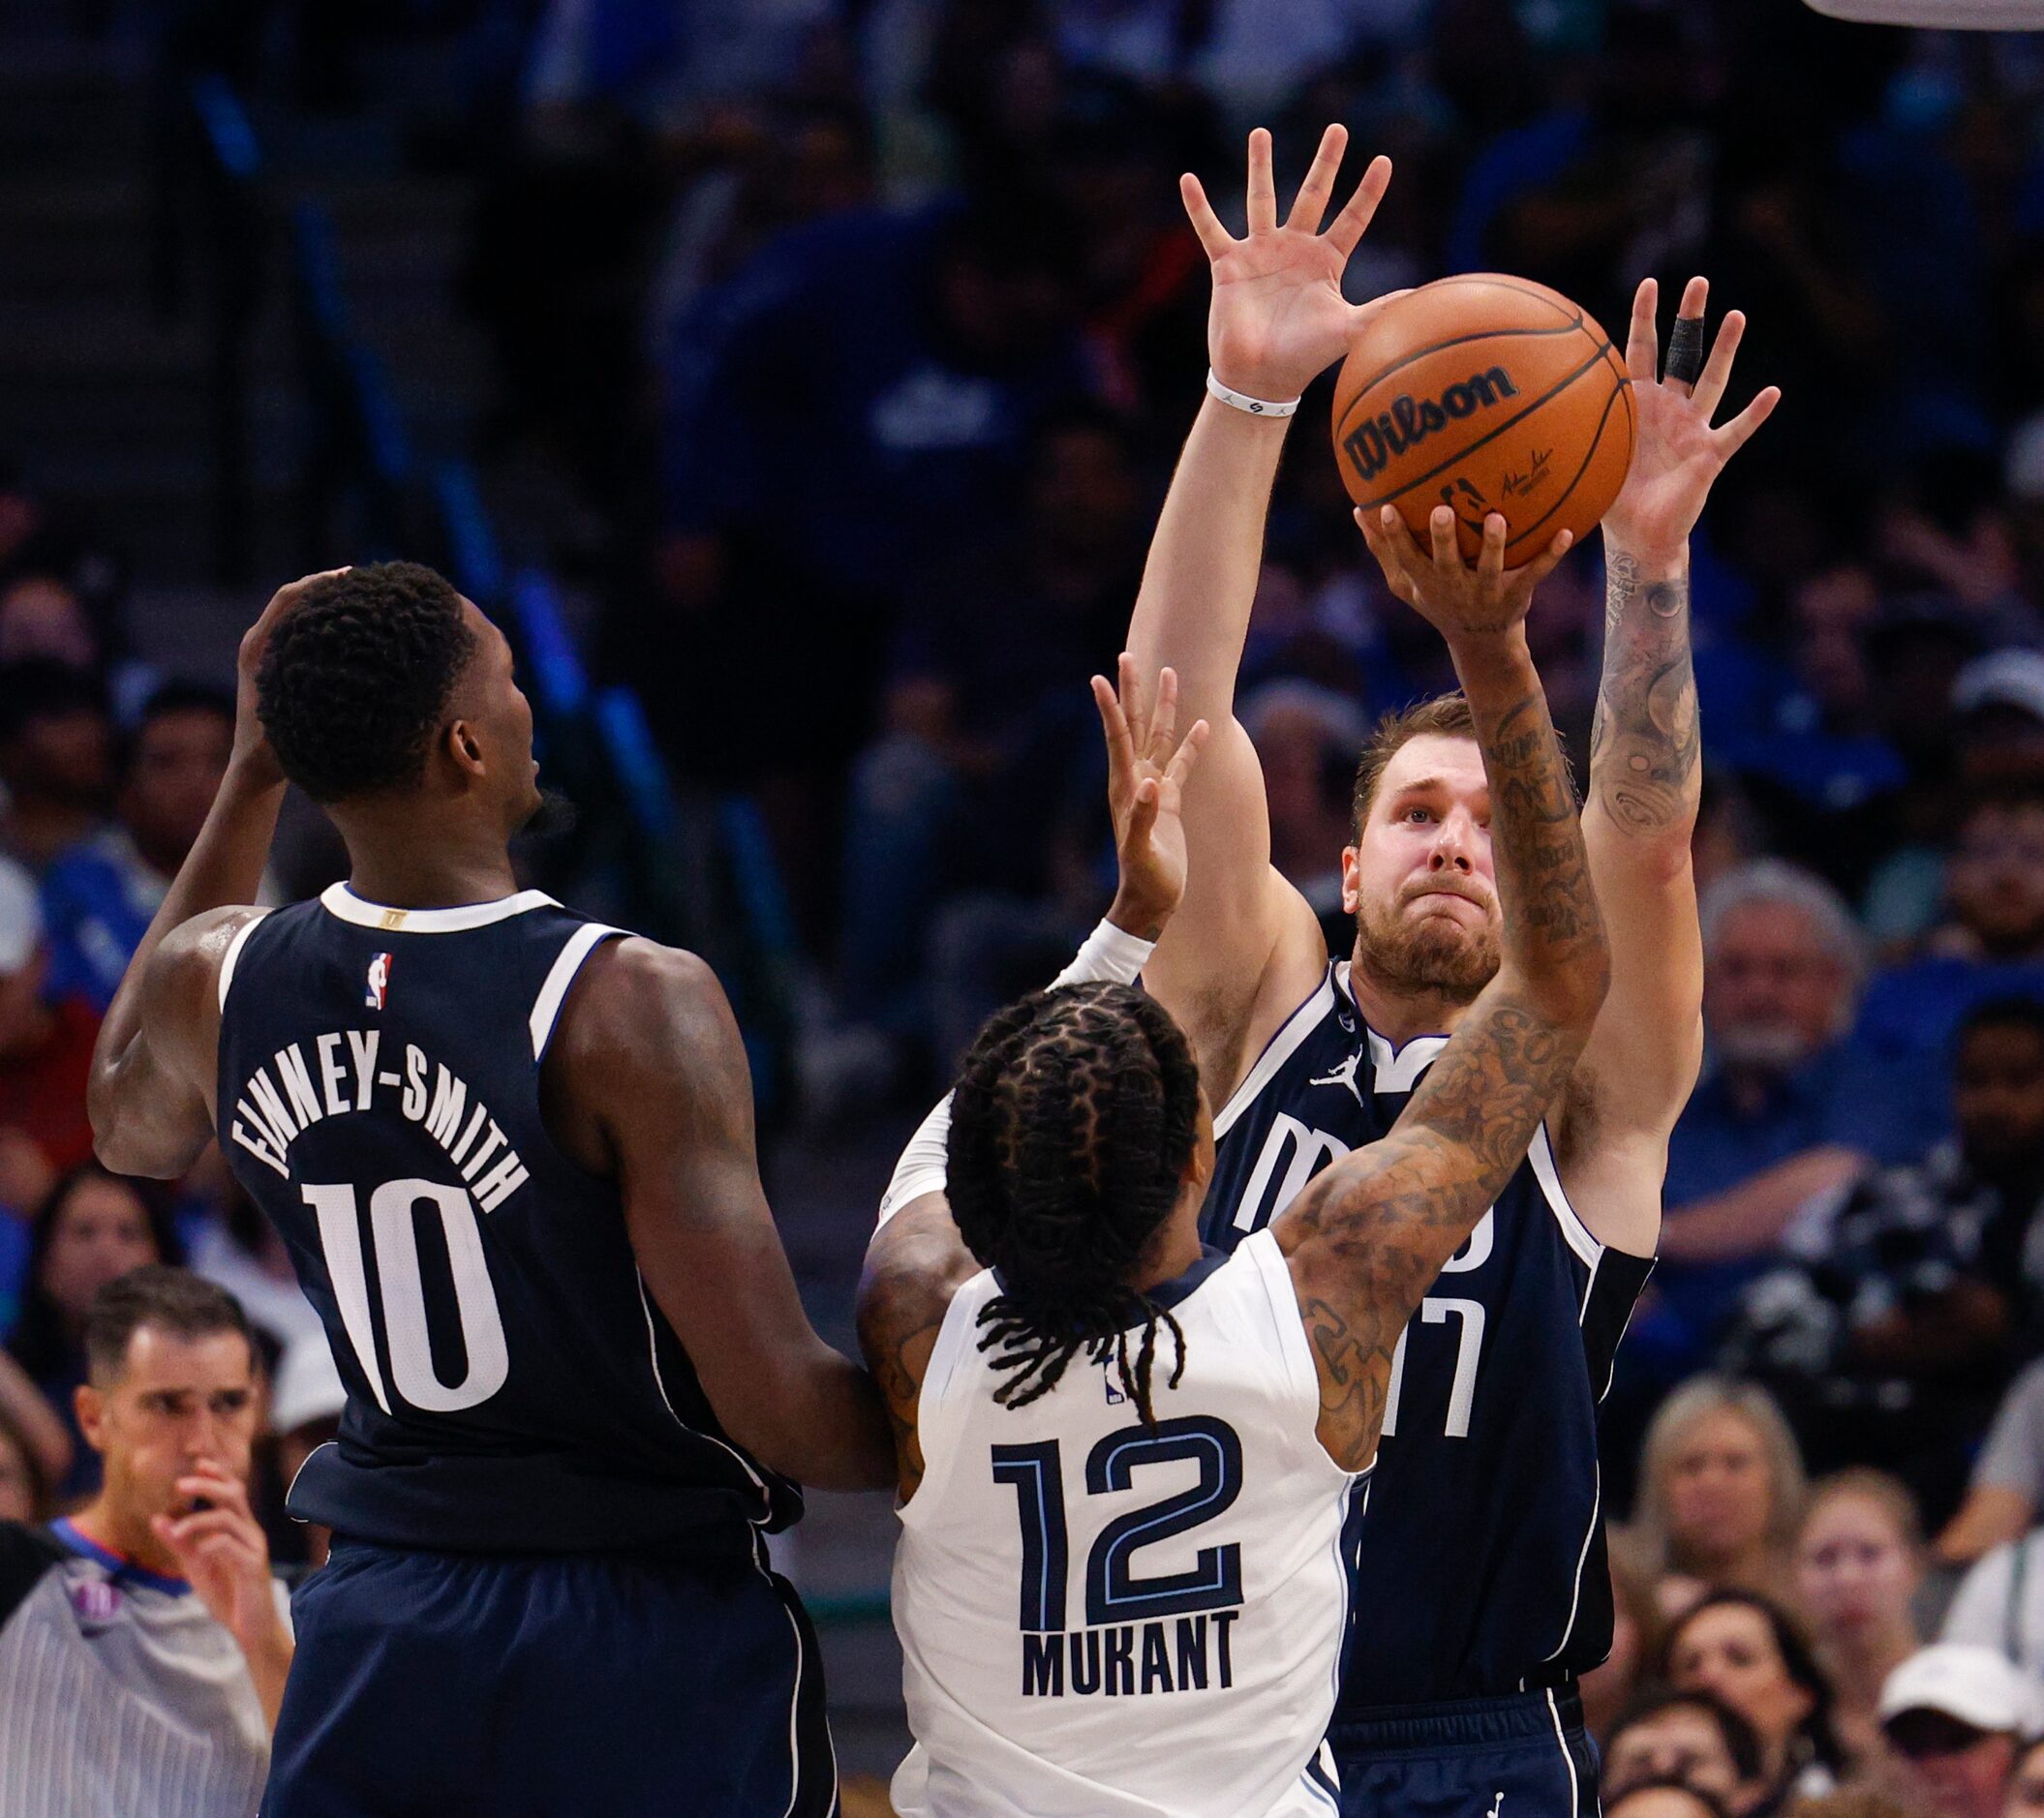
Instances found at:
x=1486 y=393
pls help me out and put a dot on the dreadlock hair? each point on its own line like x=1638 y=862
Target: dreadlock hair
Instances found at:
x=357 y=677
x=1071 y=1125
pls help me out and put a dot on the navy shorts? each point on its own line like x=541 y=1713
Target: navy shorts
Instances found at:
x=1525 y=1756
x=453 y=1686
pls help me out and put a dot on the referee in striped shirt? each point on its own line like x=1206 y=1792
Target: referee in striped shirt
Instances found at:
x=144 y=1641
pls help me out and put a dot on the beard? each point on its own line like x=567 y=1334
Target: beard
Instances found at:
x=1433 y=955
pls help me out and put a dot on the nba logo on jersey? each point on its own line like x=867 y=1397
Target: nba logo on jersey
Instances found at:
x=378 y=981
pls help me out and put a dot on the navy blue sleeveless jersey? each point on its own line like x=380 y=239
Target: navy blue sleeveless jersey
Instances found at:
x=1478 y=1548
x=511 y=1385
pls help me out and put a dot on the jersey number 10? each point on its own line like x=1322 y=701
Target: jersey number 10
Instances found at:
x=402 y=1291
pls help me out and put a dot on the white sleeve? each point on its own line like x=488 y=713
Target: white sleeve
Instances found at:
x=1979 y=1611
x=1108 y=957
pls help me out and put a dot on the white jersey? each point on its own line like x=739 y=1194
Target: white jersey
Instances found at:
x=1100 y=1620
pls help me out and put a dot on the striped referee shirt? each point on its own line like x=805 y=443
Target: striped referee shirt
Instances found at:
x=120 y=1696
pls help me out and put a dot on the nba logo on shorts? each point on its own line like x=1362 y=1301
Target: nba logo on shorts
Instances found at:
x=378 y=981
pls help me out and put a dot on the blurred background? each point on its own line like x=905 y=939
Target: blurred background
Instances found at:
x=796 y=380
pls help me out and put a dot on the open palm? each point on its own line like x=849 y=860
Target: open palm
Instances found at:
x=1147 y=767
x=1278 y=317
x=1677 y=455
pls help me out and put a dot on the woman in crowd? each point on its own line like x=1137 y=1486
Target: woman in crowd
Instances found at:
x=92 y=1228
x=1743 y=1646
x=1722 y=1492
x=1859 y=1561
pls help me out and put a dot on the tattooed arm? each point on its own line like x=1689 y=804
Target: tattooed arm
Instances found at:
x=1367 y=1237
x=1645 y=778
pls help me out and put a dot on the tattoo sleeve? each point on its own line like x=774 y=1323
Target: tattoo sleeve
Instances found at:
x=1366 y=1239
x=1646 y=746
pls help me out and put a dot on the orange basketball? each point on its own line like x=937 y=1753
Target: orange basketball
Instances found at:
x=1489 y=394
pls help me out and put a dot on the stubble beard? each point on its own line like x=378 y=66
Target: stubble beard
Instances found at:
x=1432 y=957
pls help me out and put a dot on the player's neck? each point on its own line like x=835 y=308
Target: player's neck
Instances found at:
x=417 y=869
x=1397 y=1013
x=1178 y=1249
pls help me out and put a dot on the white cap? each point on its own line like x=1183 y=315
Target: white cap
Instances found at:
x=1978 y=1686
x=2012 y=678
x=307 y=1387
x=21 y=917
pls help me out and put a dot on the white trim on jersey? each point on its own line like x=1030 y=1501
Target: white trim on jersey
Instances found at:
x=546 y=1008
x=652 y=1355
x=232 y=955
x=1575 y=1595
x=1581 y=1239
x=336 y=899
x=1276 y=1053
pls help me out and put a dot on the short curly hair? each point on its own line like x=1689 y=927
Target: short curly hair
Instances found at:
x=1071 y=1125
x=357 y=677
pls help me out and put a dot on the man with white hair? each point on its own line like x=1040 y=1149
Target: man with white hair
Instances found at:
x=1957 y=1715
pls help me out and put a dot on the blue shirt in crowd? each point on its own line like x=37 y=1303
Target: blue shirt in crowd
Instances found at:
x=1909 y=1023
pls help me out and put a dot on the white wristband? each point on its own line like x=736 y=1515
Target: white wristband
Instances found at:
x=1108 y=957
x=1242 y=401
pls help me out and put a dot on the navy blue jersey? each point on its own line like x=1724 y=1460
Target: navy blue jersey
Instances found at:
x=1478 y=1548
x=511 y=1386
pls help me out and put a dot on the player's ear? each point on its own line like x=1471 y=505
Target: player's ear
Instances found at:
x=1351 y=879
x=464 y=746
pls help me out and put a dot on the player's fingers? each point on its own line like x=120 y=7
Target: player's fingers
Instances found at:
x=1345 y=233
x=1214 y=239
x=1263 y=183
x=1113 y=726
x=1490 y=558
x=1187 y=755
x=1717 y=370
x=1131 y=691
x=1392 y=543
x=1642 y=342
x=1164 y=716
x=1446 y=547
x=1311 y=201
x=1730 y=438
x=1543 y=564
x=1143 y=813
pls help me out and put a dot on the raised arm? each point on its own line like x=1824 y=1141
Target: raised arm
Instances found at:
x=1243 y=944
x=151 y=1089
x=648 y=1080
x=1645 y=778
x=1367 y=1237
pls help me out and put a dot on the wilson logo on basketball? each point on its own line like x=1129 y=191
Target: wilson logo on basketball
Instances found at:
x=1411 y=420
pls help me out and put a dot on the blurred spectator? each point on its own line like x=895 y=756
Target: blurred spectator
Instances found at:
x=1999 y=1602
x=55 y=758
x=1885 y=1328
x=1745 y=1647
x=2007 y=1488
x=34 y=1428
x=45 y=1054
x=24 y=1494
x=151 y=1621
x=42 y=616
x=1849 y=1804
x=1993 y=947
x=1956 y=1714
x=1610 y=1689
x=1779 y=1116
x=2026 y=1785
x=306 y=1403
x=1667 y=1799
x=1306 y=738
x=1722 y=1492
x=234 y=1247
x=1859 y=1562
x=99 y=896
x=93 y=1229
x=1694 y=1737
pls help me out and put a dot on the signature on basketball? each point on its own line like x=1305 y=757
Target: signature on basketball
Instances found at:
x=1372 y=445
x=1520 y=484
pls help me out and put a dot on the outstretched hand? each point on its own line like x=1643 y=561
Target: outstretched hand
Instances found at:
x=1677 y=455
x=1461 y=599
x=1278 y=319
x=1147 y=770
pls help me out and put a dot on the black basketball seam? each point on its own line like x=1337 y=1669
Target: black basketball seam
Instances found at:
x=1460 y=454
x=1622 y=387
x=1522 y=287
x=1440 y=346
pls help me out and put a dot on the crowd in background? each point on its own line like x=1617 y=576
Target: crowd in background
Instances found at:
x=868 y=330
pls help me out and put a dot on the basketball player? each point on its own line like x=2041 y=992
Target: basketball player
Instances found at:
x=1479 y=1589
x=1170 y=1523
x=512 y=1153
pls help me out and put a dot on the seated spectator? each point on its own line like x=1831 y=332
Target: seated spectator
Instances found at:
x=42 y=615
x=1306 y=738
x=1610 y=1688
x=1992 y=947
x=1955 y=1716
x=1859 y=1561
x=2026 y=1785
x=1779 y=1119
x=1667 y=1799
x=1886 y=1329
x=150 y=1619
x=1694 y=1738
x=306 y=1404
x=2007 y=1487
x=97 y=897
x=1851 y=1804
x=234 y=1247
x=1722 y=1492
x=93 y=1227
x=24 y=1488
x=1745 y=1647
x=1999 y=1602
x=55 y=758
